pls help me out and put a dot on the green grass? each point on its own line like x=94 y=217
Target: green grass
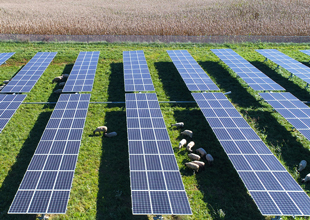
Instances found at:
x=101 y=186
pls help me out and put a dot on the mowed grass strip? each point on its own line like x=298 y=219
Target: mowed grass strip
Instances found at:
x=101 y=185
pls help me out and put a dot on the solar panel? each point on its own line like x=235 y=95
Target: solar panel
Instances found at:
x=46 y=185
x=8 y=106
x=249 y=73
x=82 y=75
x=306 y=52
x=137 y=76
x=272 y=188
x=4 y=57
x=28 y=76
x=156 y=183
x=294 y=67
x=292 y=109
x=192 y=74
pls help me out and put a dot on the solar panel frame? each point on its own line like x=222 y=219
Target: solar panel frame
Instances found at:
x=82 y=75
x=137 y=76
x=261 y=172
x=256 y=79
x=191 y=72
x=293 y=66
x=154 y=173
x=5 y=56
x=50 y=191
x=28 y=76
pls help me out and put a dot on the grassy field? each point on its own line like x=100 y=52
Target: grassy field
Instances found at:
x=156 y=17
x=101 y=186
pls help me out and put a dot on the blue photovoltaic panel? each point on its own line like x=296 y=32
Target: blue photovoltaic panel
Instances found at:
x=8 y=106
x=82 y=75
x=192 y=74
x=156 y=183
x=293 y=66
x=28 y=76
x=249 y=73
x=137 y=76
x=292 y=109
x=4 y=57
x=306 y=52
x=46 y=185
x=263 y=175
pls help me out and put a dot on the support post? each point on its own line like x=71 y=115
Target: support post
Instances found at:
x=307 y=85
x=158 y=217
x=277 y=218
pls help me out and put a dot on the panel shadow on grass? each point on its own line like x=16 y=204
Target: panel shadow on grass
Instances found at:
x=116 y=83
x=17 y=171
x=222 y=189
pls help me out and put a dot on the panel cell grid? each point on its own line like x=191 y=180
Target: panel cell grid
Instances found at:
x=245 y=70
x=8 y=106
x=27 y=77
x=4 y=57
x=137 y=76
x=270 y=185
x=156 y=183
x=292 y=109
x=293 y=66
x=82 y=75
x=47 y=183
x=192 y=74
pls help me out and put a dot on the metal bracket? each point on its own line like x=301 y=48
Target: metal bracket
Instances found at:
x=291 y=76
x=307 y=85
x=158 y=217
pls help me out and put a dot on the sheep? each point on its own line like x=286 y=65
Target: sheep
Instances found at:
x=209 y=159
x=6 y=81
x=58 y=91
x=201 y=151
x=199 y=163
x=112 y=134
x=57 y=79
x=61 y=83
x=178 y=125
x=65 y=75
x=302 y=165
x=182 y=143
x=190 y=145
x=307 y=178
x=194 y=156
x=192 y=166
x=188 y=133
x=99 y=129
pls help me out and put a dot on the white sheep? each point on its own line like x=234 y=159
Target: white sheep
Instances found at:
x=57 y=79
x=192 y=166
x=306 y=179
x=58 y=91
x=190 y=146
x=209 y=159
x=61 y=83
x=199 y=163
x=6 y=81
x=178 y=125
x=112 y=134
x=65 y=75
x=182 y=143
x=302 y=165
x=201 y=151
x=194 y=156
x=99 y=129
x=188 y=133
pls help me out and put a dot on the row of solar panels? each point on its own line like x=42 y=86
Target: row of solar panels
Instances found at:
x=137 y=76
x=81 y=78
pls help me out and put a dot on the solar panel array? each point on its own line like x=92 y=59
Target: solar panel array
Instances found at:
x=192 y=74
x=8 y=106
x=306 y=52
x=4 y=57
x=298 y=69
x=46 y=185
x=156 y=184
x=273 y=189
x=292 y=109
x=137 y=76
x=249 y=73
x=81 y=78
x=28 y=76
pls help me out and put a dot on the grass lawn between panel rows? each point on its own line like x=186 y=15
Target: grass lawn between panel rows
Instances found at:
x=101 y=185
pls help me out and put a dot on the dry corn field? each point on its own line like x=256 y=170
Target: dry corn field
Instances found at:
x=156 y=17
